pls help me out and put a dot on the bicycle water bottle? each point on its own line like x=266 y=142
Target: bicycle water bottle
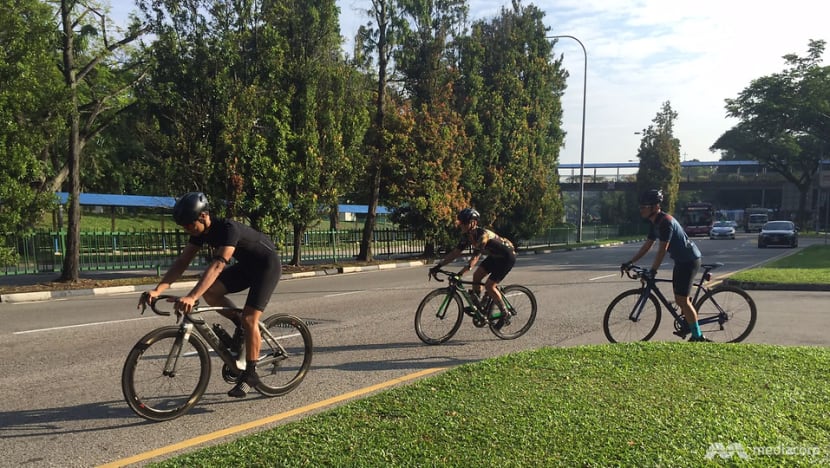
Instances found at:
x=224 y=337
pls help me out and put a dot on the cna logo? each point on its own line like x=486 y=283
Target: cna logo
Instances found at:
x=726 y=451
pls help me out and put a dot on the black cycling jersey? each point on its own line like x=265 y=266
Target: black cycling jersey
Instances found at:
x=487 y=242
x=258 y=265
x=251 y=246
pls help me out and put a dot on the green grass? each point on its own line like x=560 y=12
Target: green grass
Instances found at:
x=643 y=404
x=810 y=265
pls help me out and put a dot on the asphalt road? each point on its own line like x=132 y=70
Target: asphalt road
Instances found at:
x=60 y=395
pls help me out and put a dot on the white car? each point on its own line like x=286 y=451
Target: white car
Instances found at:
x=722 y=230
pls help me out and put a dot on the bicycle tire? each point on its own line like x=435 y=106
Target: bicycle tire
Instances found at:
x=280 y=372
x=726 y=314
x=158 y=397
x=522 y=309
x=435 y=321
x=618 y=325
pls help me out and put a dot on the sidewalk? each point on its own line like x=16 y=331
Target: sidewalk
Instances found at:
x=44 y=278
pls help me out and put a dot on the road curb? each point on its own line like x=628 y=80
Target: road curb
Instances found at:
x=50 y=295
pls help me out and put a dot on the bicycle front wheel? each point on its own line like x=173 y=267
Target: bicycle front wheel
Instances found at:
x=726 y=314
x=521 y=305
x=285 y=355
x=165 y=374
x=439 y=316
x=625 y=321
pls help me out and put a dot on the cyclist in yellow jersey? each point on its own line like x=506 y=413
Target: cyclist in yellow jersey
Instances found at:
x=501 y=256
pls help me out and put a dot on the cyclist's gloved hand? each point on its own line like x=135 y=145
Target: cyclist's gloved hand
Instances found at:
x=625 y=266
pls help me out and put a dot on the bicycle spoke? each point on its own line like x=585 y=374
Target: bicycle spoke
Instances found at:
x=726 y=314
x=521 y=313
x=630 y=317
x=165 y=376
x=438 y=317
x=285 y=355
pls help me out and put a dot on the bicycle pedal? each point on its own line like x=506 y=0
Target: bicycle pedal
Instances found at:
x=680 y=333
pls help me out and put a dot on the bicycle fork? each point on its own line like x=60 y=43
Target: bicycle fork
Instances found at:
x=176 y=351
x=641 y=303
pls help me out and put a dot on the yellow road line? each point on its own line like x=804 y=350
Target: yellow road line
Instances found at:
x=261 y=422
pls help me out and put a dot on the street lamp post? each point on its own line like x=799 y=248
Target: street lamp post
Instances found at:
x=582 y=145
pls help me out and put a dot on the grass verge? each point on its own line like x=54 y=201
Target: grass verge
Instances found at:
x=642 y=404
x=810 y=265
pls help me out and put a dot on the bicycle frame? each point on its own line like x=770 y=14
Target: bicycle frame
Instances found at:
x=191 y=324
x=650 y=287
x=456 y=285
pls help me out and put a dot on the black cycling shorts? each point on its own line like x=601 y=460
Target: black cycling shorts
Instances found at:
x=262 y=281
x=498 y=267
x=683 y=277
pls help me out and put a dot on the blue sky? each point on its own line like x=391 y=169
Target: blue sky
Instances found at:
x=642 y=53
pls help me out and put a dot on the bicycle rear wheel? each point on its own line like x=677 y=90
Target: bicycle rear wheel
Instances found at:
x=285 y=356
x=726 y=314
x=622 y=323
x=521 y=305
x=158 y=394
x=439 y=316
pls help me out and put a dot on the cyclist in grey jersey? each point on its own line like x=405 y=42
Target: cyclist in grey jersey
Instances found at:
x=674 y=241
x=257 y=268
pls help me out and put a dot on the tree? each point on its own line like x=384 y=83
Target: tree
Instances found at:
x=30 y=95
x=309 y=75
x=377 y=39
x=784 y=121
x=98 y=83
x=659 y=155
x=510 y=96
x=425 y=176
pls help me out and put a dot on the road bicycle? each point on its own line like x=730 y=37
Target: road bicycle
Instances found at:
x=167 y=371
x=726 y=314
x=441 y=312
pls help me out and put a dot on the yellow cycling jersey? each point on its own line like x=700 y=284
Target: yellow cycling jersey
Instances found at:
x=487 y=242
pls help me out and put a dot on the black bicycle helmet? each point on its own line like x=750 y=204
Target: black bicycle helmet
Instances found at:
x=468 y=214
x=651 y=197
x=189 y=206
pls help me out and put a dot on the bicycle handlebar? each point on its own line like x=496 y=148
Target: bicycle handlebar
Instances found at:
x=154 y=305
x=638 y=272
x=449 y=274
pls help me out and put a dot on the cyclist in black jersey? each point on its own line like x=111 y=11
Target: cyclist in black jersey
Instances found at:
x=257 y=268
x=501 y=256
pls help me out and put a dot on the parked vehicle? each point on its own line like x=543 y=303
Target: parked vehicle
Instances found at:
x=778 y=233
x=722 y=230
x=698 y=218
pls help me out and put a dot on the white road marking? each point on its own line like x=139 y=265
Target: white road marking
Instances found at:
x=602 y=277
x=78 y=326
x=343 y=293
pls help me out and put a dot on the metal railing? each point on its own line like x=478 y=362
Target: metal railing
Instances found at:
x=43 y=252
x=590 y=233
